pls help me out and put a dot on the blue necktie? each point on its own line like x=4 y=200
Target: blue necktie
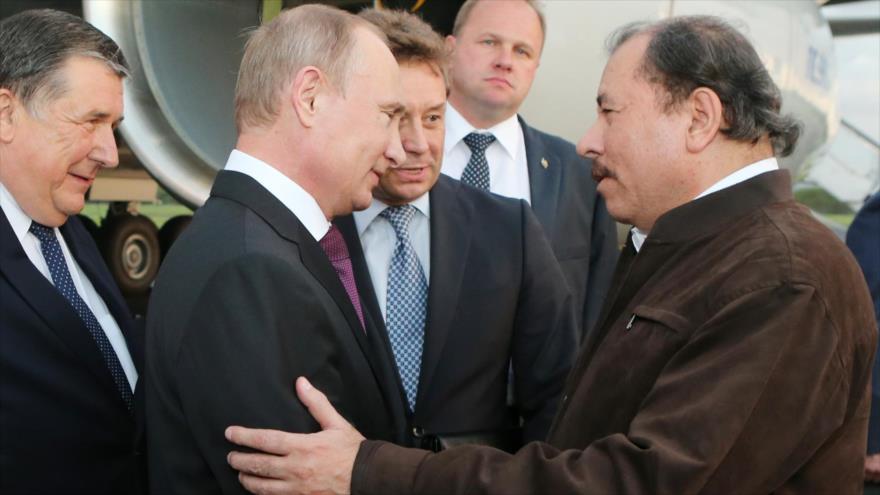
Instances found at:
x=476 y=173
x=406 y=304
x=51 y=249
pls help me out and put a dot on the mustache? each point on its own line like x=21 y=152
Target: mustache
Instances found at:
x=600 y=172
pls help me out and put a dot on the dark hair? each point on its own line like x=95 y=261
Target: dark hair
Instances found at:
x=689 y=52
x=35 y=44
x=410 y=39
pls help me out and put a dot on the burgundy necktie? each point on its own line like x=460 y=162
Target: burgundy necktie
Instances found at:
x=334 y=246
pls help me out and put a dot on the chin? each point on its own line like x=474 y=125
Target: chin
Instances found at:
x=72 y=207
x=361 y=204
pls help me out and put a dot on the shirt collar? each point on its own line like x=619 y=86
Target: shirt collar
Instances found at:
x=507 y=132
x=18 y=219
x=291 y=194
x=364 y=219
x=740 y=175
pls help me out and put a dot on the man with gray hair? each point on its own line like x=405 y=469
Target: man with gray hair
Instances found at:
x=259 y=289
x=734 y=352
x=71 y=405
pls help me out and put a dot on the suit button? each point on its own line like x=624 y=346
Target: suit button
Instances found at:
x=418 y=431
x=565 y=398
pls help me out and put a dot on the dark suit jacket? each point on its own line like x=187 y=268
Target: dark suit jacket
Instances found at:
x=63 y=425
x=732 y=356
x=863 y=239
x=246 y=302
x=574 y=217
x=496 y=294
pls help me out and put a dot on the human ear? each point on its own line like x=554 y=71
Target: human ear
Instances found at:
x=306 y=89
x=707 y=117
x=450 y=43
x=7 y=117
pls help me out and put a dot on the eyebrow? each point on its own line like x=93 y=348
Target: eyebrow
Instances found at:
x=395 y=108
x=103 y=116
x=517 y=43
x=438 y=106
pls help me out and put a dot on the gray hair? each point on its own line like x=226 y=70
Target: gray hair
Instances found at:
x=35 y=44
x=308 y=35
x=464 y=12
x=689 y=52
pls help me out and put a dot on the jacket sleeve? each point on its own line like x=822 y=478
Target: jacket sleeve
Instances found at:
x=740 y=374
x=544 y=332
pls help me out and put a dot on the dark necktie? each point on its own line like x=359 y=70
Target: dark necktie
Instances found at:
x=62 y=280
x=476 y=173
x=337 y=251
x=406 y=303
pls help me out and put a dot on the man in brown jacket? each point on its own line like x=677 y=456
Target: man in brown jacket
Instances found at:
x=734 y=351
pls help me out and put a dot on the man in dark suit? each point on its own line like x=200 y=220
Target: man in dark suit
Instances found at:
x=71 y=410
x=484 y=288
x=259 y=290
x=496 y=49
x=863 y=239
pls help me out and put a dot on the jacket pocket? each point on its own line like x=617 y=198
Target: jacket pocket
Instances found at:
x=674 y=321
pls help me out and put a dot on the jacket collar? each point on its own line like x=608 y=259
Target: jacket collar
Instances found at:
x=708 y=214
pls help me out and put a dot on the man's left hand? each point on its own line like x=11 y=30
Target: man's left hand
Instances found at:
x=292 y=463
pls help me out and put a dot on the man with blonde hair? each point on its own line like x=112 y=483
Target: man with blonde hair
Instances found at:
x=259 y=290
x=496 y=51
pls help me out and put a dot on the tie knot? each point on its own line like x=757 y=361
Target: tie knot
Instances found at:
x=42 y=232
x=399 y=216
x=334 y=245
x=478 y=142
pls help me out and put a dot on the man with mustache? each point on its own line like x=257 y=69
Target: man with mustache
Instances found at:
x=461 y=282
x=71 y=356
x=734 y=352
x=496 y=50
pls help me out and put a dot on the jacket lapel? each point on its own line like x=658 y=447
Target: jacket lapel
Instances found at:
x=102 y=281
x=247 y=191
x=49 y=305
x=243 y=189
x=363 y=280
x=545 y=178
x=450 y=243
x=377 y=334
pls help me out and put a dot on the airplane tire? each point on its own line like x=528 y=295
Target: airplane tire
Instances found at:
x=171 y=230
x=130 y=247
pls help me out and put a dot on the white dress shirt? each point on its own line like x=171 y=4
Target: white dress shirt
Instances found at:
x=741 y=175
x=294 y=197
x=508 y=170
x=21 y=224
x=379 y=240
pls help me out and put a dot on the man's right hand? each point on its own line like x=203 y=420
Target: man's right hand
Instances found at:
x=291 y=463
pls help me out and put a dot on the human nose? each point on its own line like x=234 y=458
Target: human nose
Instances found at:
x=394 y=151
x=504 y=58
x=412 y=136
x=591 y=145
x=105 y=151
